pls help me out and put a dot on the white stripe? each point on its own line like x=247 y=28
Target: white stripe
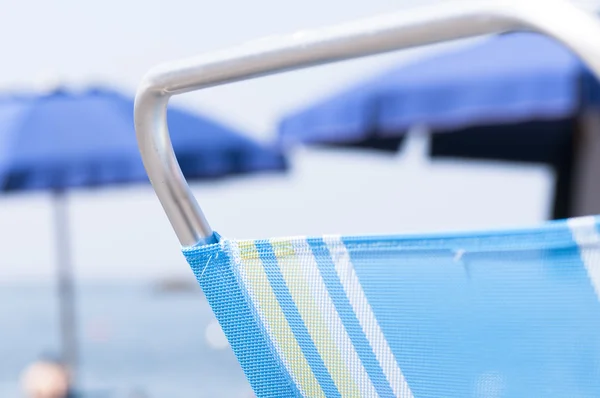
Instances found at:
x=364 y=313
x=585 y=234
x=331 y=316
x=241 y=268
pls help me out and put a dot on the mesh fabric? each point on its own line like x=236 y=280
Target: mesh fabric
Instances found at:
x=490 y=314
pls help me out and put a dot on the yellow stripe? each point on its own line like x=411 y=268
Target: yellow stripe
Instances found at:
x=277 y=326
x=310 y=311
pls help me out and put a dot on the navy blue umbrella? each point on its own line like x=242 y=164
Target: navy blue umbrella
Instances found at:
x=65 y=139
x=511 y=97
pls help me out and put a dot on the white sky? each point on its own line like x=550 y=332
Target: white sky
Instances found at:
x=123 y=233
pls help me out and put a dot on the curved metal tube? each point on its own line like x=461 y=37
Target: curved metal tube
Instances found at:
x=452 y=20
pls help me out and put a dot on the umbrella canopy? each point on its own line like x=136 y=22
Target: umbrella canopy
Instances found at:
x=81 y=139
x=510 y=78
x=512 y=97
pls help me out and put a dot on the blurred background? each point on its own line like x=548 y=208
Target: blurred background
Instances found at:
x=304 y=155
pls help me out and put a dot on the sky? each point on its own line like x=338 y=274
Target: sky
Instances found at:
x=122 y=233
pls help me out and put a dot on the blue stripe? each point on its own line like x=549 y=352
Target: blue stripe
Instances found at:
x=344 y=308
x=294 y=319
x=258 y=321
x=249 y=343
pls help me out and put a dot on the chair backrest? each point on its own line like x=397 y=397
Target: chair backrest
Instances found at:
x=495 y=314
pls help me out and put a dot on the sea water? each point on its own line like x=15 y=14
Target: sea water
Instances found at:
x=134 y=341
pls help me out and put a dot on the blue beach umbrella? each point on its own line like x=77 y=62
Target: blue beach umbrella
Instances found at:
x=513 y=97
x=63 y=140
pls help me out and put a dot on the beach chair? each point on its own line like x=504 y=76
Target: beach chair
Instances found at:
x=481 y=314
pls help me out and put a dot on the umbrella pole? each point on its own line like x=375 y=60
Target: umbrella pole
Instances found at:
x=66 y=294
